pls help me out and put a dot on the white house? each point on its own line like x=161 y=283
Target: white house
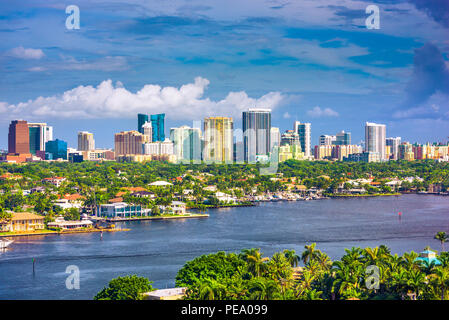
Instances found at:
x=70 y=225
x=225 y=197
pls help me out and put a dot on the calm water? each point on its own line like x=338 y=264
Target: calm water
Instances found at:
x=157 y=249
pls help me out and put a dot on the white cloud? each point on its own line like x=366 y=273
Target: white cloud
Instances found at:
x=109 y=101
x=108 y=63
x=318 y=112
x=26 y=53
x=287 y=115
x=36 y=69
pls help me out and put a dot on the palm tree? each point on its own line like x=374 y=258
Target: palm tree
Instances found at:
x=256 y=262
x=441 y=280
x=442 y=237
x=409 y=261
x=416 y=280
x=371 y=255
x=305 y=282
x=312 y=295
x=263 y=289
x=310 y=253
x=292 y=257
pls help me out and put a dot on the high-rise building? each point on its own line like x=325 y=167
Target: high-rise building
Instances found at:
x=256 y=133
x=147 y=131
x=187 y=143
x=394 y=144
x=375 y=139
x=290 y=137
x=218 y=139
x=343 y=138
x=40 y=133
x=305 y=136
x=165 y=147
x=18 y=137
x=86 y=141
x=57 y=149
x=327 y=140
x=128 y=142
x=275 y=137
x=141 y=120
x=157 y=122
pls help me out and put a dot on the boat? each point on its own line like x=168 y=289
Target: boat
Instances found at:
x=4 y=243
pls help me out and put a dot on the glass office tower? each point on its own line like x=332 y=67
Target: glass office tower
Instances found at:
x=57 y=148
x=157 y=122
x=141 y=119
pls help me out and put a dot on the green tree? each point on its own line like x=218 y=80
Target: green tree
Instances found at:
x=442 y=237
x=125 y=288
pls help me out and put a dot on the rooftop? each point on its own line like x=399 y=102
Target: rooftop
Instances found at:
x=26 y=216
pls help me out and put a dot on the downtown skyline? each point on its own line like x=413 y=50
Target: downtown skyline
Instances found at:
x=307 y=61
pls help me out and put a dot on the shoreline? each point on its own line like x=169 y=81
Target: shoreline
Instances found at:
x=363 y=195
x=51 y=232
x=156 y=218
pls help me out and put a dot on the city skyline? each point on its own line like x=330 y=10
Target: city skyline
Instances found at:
x=309 y=62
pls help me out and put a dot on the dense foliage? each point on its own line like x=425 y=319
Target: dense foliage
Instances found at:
x=125 y=288
x=370 y=273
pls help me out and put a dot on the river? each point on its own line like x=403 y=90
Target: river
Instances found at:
x=157 y=249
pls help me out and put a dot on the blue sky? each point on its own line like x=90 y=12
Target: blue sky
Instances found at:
x=311 y=61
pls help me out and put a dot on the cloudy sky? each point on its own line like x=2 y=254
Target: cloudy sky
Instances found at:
x=310 y=60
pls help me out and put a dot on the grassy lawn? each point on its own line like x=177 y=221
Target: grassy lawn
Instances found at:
x=26 y=232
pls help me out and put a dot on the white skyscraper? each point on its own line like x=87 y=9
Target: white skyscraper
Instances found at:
x=275 y=137
x=305 y=136
x=327 y=140
x=187 y=143
x=394 y=144
x=375 y=139
x=40 y=133
x=147 y=129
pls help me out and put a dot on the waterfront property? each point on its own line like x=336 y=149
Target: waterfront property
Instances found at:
x=121 y=210
x=70 y=225
x=178 y=207
x=23 y=221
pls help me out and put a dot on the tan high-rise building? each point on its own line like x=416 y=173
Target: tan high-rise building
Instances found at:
x=218 y=139
x=128 y=142
x=86 y=141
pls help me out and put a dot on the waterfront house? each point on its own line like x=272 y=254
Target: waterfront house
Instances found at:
x=23 y=221
x=120 y=210
x=224 y=197
x=70 y=225
x=178 y=207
